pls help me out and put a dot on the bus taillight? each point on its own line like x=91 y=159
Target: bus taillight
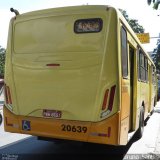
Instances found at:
x=8 y=95
x=105 y=100
x=111 y=98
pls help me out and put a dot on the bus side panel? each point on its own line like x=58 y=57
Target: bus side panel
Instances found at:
x=125 y=111
x=125 y=107
x=124 y=131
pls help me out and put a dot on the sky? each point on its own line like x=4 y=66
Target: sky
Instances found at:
x=136 y=9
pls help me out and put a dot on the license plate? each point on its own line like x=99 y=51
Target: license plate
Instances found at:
x=52 y=113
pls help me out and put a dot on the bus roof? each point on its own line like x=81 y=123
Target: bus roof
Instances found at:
x=67 y=10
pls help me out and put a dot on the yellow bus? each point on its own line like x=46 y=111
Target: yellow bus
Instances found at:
x=77 y=73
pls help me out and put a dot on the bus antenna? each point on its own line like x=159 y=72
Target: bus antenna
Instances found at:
x=15 y=11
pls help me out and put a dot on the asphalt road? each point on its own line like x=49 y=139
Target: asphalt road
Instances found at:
x=32 y=149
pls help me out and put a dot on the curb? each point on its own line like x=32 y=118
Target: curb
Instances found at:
x=157 y=148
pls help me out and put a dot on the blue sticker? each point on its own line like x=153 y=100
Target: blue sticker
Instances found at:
x=26 y=125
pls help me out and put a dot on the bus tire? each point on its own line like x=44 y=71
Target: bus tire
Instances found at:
x=152 y=112
x=141 y=124
x=154 y=102
x=0 y=119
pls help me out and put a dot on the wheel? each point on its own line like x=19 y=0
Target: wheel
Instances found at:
x=0 y=118
x=152 y=112
x=141 y=124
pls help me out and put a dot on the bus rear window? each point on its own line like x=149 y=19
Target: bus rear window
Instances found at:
x=88 y=25
x=56 y=34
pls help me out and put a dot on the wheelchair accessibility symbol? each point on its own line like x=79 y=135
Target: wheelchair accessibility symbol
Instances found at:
x=26 y=125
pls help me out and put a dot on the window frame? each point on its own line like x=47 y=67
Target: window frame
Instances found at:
x=124 y=52
x=142 y=66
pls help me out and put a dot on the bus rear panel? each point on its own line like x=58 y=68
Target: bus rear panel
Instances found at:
x=62 y=74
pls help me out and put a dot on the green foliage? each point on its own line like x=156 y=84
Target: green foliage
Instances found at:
x=135 y=26
x=149 y=2
x=132 y=22
x=2 y=61
x=155 y=3
x=2 y=50
x=124 y=13
x=156 y=56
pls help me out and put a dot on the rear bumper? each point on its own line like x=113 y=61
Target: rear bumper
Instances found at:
x=104 y=132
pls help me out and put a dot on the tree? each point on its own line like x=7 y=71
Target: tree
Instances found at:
x=132 y=22
x=135 y=26
x=155 y=3
x=156 y=56
x=2 y=50
x=124 y=13
x=2 y=61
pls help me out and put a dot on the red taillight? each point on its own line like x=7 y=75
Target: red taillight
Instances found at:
x=111 y=98
x=5 y=92
x=104 y=106
x=8 y=95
